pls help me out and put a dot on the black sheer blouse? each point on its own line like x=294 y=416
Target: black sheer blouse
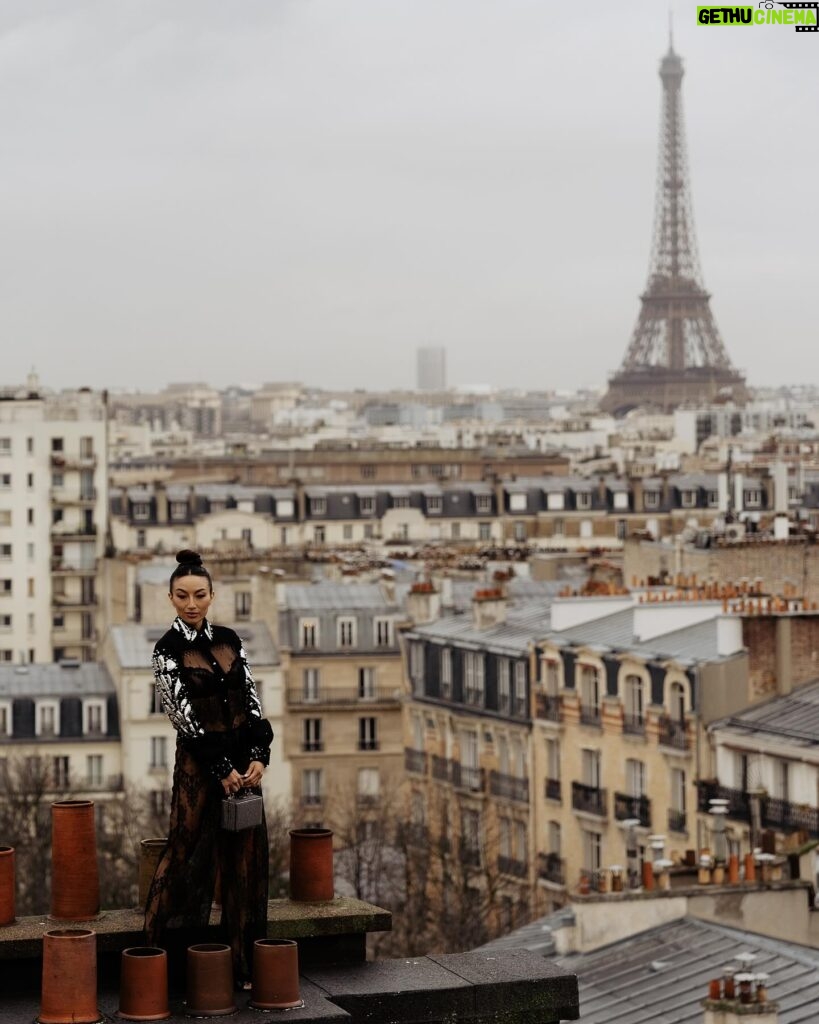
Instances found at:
x=207 y=690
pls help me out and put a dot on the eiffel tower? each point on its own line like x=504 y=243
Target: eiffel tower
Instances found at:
x=675 y=356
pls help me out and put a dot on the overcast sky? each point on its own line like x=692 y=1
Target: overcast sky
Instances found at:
x=239 y=191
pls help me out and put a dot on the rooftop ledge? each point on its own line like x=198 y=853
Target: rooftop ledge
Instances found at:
x=286 y=919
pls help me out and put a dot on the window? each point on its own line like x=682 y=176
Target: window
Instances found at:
x=678 y=790
x=159 y=752
x=154 y=701
x=484 y=531
x=5 y=586
x=30 y=516
x=383 y=632
x=400 y=502
x=93 y=770
x=517 y=502
x=366 y=682
x=367 y=506
x=554 y=839
x=552 y=759
x=319 y=534
x=713 y=498
x=520 y=689
x=753 y=499
x=434 y=505
x=5 y=446
x=311 y=786
x=583 y=499
x=520 y=531
x=677 y=702
x=5 y=718
x=318 y=506
x=589 y=694
x=367 y=734
x=473 y=678
x=59 y=773
x=312 y=735
x=178 y=510
x=621 y=529
x=310 y=684
x=634 y=702
x=471 y=835
x=635 y=777
x=5 y=481
x=5 y=552
x=416 y=664
x=94 y=718
x=368 y=531
x=30 y=481
x=455 y=531
x=57 y=480
x=369 y=785
x=5 y=517
x=446 y=673
x=504 y=687
x=592 y=844
x=590 y=762
x=347 y=532
x=469 y=749
x=782 y=780
x=551 y=676
x=651 y=499
x=159 y=802
x=346 y=632
x=242 y=604
x=47 y=721
x=308 y=634
x=483 y=504
x=559 y=527
x=86 y=447
x=141 y=510
x=688 y=498
x=5 y=622
x=367 y=471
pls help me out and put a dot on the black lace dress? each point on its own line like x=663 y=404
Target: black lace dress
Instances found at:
x=208 y=692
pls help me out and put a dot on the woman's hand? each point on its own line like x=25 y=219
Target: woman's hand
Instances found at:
x=253 y=776
x=232 y=783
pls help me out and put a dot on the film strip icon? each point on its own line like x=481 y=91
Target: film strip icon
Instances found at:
x=814 y=6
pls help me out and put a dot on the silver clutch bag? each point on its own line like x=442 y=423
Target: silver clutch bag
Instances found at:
x=242 y=811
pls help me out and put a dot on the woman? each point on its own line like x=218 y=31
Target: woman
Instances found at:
x=222 y=747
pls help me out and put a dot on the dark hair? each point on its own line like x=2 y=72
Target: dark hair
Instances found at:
x=190 y=564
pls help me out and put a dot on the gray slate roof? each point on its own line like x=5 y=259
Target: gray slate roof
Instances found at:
x=134 y=643
x=794 y=717
x=72 y=679
x=331 y=596
x=661 y=975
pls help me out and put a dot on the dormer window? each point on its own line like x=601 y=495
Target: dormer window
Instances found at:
x=483 y=504
x=367 y=506
x=583 y=499
x=178 y=510
x=651 y=499
x=688 y=498
x=318 y=506
x=141 y=510
x=753 y=499
x=47 y=718
x=94 y=717
x=402 y=502
x=434 y=505
x=517 y=502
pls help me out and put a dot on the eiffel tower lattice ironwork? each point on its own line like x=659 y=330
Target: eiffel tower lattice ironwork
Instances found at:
x=676 y=355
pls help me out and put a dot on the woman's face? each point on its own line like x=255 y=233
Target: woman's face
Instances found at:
x=191 y=596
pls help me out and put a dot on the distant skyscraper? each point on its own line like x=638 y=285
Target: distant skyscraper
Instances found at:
x=432 y=368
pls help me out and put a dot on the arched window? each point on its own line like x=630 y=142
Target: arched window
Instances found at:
x=676 y=702
x=634 y=718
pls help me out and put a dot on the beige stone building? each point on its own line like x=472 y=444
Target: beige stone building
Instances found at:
x=343 y=683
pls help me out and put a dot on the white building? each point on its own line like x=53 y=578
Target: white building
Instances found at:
x=53 y=511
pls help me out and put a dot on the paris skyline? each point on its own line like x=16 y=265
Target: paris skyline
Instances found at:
x=312 y=192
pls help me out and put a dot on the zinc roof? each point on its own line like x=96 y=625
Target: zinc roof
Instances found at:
x=329 y=595
x=66 y=679
x=134 y=643
x=794 y=716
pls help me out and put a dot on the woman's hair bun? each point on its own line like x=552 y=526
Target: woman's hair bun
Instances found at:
x=188 y=557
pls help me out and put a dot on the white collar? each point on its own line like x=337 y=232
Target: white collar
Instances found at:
x=190 y=633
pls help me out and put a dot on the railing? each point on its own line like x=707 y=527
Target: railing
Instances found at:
x=415 y=761
x=626 y=806
x=368 y=745
x=552 y=790
x=548 y=707
x=311 y=799
x=464 y=777
x=590 y=714
x=673 y=733
x=677 y=821
x=61 y=496
x=107 y=784
x=634 y=725
x=513 y=866
x=774 y=812
x=440 y=768
x=62 y=531
x=510 y=787
x=470 y=855
x=590 y=799
x=312 y=746
x=342 y=697
x=551 y=868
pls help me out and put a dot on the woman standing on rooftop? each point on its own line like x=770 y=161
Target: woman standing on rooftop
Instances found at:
x=223 y=746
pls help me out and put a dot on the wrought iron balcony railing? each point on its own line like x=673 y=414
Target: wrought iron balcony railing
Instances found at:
x=626 y=806
x=415 y=761
x=552 y=790
x=590 y=799
x=510 y=787
x=551 y=868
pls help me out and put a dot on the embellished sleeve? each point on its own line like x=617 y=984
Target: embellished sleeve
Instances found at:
x=261 y=732
x=207 y=747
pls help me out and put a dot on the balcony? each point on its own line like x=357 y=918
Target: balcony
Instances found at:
x=548 y=708
x=61 y=496
x=786 y=816
x=513 y=866
x=677 y=821
x=470 y=854
x=626 y=806
x=74 y=602
x=634 y=725
x=61 y=568
x=552 y=790
x=509 y=787
x=551 y=868
x=63 y=531
x=674 y=734
x=312 y=746
x=62 y=461
x=415 y=761
x=590 y=715
x=440 y=768
x=368 y=744
x=464 y=777
x=739 y=802
x=341 y=698
x=590 y=799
